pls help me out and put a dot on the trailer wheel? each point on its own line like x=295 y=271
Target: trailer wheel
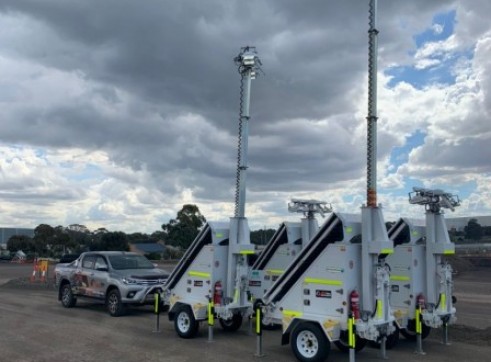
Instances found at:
x=184 y=322
x=410 y=331
x=309 y=343
x=233 y=324
x=342 y=342
x=68 y=300
x=390 y=342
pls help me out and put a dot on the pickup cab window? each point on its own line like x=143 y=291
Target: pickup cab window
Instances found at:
x=100 y=262
x=88 y=262
x=130 y=261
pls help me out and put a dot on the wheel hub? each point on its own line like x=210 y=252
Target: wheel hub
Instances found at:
x=307 y=344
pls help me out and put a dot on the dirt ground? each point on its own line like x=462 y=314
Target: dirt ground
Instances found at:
x=35 y=327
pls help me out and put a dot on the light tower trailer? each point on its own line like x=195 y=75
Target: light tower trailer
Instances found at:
x=436 y=304
x=212 y=277
x=408 y=274
x=315 y=296
x=284 y=246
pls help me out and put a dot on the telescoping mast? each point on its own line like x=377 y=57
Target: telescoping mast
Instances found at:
x=211 y=279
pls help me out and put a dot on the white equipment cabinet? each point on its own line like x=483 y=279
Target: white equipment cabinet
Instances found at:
x=285 y=245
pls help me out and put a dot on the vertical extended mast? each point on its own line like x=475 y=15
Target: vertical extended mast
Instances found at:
x=248 y=63
x=372 y=107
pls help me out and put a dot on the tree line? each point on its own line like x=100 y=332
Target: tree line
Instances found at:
x=178 y=233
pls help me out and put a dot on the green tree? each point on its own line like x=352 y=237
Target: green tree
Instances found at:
x=182 y=230
x=20 y=242
x=113 y=241
x=138 y=238
x=473 y=230
x=61 y=241
x=43 y=238
x=262 y=236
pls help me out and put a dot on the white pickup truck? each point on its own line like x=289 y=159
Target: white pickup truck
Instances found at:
x=116 y=277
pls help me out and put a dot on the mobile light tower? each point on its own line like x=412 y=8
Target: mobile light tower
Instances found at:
x=285 y=245
x=211 y=279
x=436 y=307
x=376 y=318
x=240 y=245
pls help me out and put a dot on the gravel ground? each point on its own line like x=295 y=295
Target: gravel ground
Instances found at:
x=36 y=328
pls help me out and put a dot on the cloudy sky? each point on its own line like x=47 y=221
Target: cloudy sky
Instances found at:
x=114 y=113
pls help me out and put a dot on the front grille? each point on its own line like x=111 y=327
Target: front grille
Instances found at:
x=150 y=280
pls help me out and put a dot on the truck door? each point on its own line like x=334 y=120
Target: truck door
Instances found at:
x=98 y=280
x=85 y=273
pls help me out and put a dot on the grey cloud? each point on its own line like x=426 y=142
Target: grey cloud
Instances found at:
x=174 y=60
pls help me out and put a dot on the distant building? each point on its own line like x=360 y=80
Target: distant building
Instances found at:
x=7 y=233
x=147 y=248
x=459 y=223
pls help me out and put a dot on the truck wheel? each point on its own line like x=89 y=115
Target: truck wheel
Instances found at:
x=115 y=306
x=67 y=298
x=184 y=322
x=410 y=331
x=309 y=343
x=232 y=324
x=342 y=342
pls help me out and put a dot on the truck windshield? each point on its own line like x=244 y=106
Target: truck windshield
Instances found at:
x=121 y=262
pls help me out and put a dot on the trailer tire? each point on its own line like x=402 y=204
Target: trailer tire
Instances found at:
x=68 y=300
x=185 y=324
x=231 y=325
x=309 y=343
x=342 y=342
x=390 y=342
x=410 y=331
x=114 y=304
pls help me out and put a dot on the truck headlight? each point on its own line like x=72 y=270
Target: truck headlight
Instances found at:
x=129 y=281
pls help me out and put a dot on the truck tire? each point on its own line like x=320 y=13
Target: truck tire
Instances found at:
x=232 y=324
x=309 y=343
x=114 y=304
x=185 y=324
x=342 y=342
x=68 y=300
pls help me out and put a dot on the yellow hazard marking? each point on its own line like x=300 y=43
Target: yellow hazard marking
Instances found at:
x=193 y=273
x=443 y=302
x=399 y=313
x=419 y=328
x=292 y=313
x=247 y=252
x=400 y=278
x=448 y=252
x=258 y=320
x=387 y=251
x=329 y=324
x=351 y=337
x=322 y=281
x=156 y=303
x=211 y=319
x=380 y=305
x=236 y=295
x=274 y=271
